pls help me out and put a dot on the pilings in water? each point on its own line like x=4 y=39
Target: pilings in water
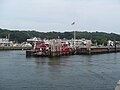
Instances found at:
x=55 y=47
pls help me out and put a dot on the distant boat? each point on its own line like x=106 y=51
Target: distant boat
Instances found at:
x=118 y=86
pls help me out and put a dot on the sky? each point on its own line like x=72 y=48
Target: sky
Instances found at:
x=57 y=15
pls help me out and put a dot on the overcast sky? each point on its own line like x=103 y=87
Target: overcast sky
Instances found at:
x=57 y=15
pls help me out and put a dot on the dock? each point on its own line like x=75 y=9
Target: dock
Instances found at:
x=77 y=51
x=58 y=47
x=96 y=50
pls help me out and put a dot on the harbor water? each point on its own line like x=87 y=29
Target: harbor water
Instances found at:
x=76 y=72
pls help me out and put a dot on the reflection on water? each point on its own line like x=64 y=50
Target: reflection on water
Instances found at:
x=77 y=72
x=49 y=61
x=88 y=60
x=40 y=61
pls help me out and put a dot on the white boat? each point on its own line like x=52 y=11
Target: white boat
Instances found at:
x=118 y=86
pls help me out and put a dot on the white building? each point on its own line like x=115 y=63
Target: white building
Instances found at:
x=110 y=43
x=80 y=42
x=5 y=42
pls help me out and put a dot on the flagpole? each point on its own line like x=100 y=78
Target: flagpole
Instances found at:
x=74 y=38
x=74 y=35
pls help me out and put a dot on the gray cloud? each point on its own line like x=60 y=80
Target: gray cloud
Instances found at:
x=90 y=15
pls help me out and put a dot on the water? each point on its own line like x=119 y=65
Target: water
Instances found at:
x=77 y=72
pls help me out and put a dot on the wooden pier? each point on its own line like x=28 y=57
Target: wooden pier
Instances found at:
x=96 y=50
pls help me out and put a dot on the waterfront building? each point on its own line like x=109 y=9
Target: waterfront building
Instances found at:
x=79 y=42
x=5 y=42
x=110 y=43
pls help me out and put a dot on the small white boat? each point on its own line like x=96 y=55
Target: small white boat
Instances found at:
x=118 y=86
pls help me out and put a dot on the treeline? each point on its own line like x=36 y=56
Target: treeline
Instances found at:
x=21 y=36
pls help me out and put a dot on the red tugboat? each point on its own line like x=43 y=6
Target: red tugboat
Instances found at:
x=65 y=49
x=54 y=47
x=41 y=49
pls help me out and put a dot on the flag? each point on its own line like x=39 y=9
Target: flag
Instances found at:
x=73 y=23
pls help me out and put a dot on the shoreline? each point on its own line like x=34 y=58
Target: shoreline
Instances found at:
x=14 y=48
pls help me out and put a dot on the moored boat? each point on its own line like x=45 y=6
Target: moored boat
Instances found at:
x=118 y=86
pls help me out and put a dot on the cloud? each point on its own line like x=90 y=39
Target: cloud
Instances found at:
x=57 y=15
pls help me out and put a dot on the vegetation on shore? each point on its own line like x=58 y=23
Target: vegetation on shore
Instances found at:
x=21 y=36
